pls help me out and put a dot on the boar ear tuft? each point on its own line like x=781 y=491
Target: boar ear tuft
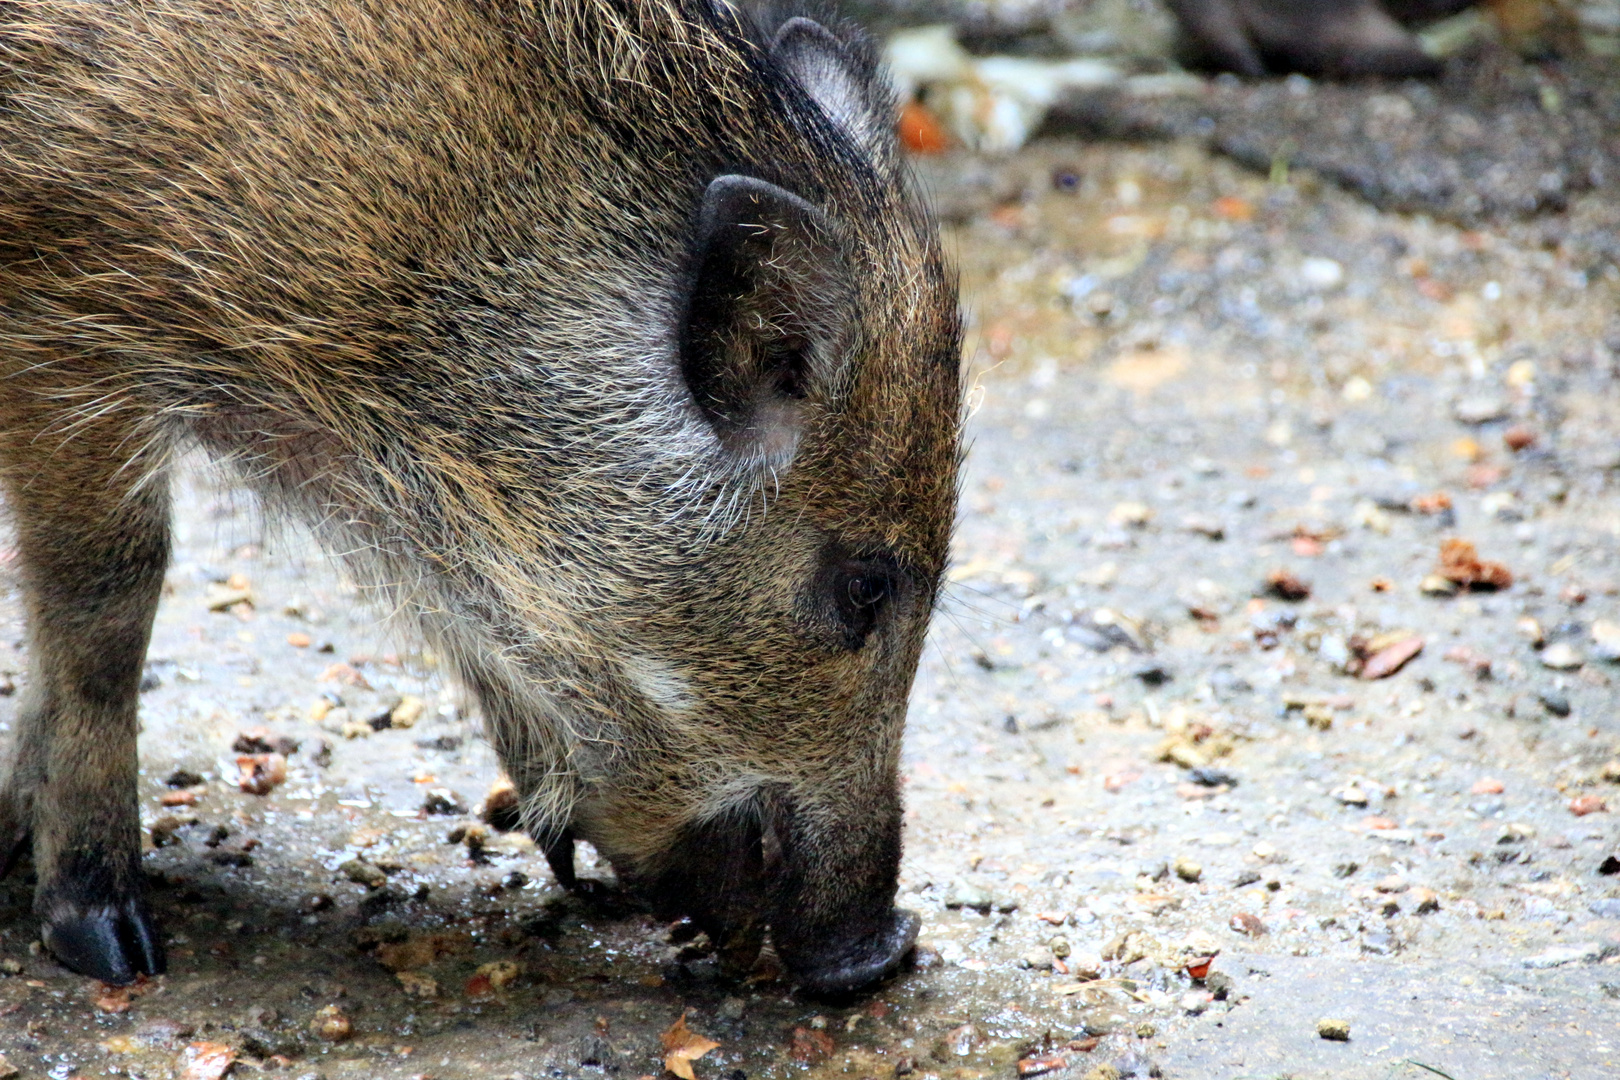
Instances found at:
x=766 y=317
x=827 y=72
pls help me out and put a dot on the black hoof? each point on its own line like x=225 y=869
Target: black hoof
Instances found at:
x=113 y=944
x=559 y=852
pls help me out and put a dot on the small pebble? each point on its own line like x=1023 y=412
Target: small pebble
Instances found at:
x=970 y=897
x=1529 y=629
x=1561 y=656
x=1554 y=702
x=1188 y=870
x=1435 y=585
x=1037 y=960
x=1333 y=1030
x=1479 y=410
x=331 y=1025
x=1581 y=805
x=1606 y=640
x=363 y=873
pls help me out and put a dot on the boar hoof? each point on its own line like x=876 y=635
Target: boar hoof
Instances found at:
x=863 y=963
x=113 y=944
x=559 y=852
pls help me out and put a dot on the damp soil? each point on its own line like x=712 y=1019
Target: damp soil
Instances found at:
x=1222 y=423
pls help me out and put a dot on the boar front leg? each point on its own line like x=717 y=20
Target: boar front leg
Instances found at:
x=93 y=544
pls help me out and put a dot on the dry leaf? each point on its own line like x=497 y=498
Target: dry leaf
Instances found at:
x=1390 y=659
x=682 y=1046
x=206 y=1061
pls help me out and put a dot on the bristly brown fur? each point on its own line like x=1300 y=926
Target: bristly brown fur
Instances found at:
x=422 y=269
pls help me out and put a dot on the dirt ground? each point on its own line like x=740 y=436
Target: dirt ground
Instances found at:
x=1200 y=688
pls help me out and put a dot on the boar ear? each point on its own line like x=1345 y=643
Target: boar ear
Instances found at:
x=833 y=79
x=766 y=315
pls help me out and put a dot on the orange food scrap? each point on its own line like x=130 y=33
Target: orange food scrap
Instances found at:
x=920 y=130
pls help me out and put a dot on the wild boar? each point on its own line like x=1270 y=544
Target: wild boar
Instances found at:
x=607 y=342
x=1317 y=37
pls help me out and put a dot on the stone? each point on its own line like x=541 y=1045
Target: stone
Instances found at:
x=1479 y=410
x=1606 y=640
x=1561 y=656
x=1321 y=274
x=1568 y=954
x=1555 y=702
x=363 y=873
x=969 y=896
x=1435 y=585
x=1037 y=960
x=1188 y=870
x=1333 y=1030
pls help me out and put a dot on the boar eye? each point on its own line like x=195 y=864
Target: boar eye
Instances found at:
x=860 y=591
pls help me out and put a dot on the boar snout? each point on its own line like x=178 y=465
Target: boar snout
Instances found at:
x=833 y=922
x=824 y=883
x=852 y=956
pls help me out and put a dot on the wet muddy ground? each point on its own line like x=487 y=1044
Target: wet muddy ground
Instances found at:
x=1201 y=689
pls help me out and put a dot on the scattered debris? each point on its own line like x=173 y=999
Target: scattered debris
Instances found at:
x=417 y=985
x=261 y=773
x=1460 y=563
x=206 y=1061
x=1286 y=585
x=1246 y=924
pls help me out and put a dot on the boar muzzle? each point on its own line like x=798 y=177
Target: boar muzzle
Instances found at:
x=823 y=883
